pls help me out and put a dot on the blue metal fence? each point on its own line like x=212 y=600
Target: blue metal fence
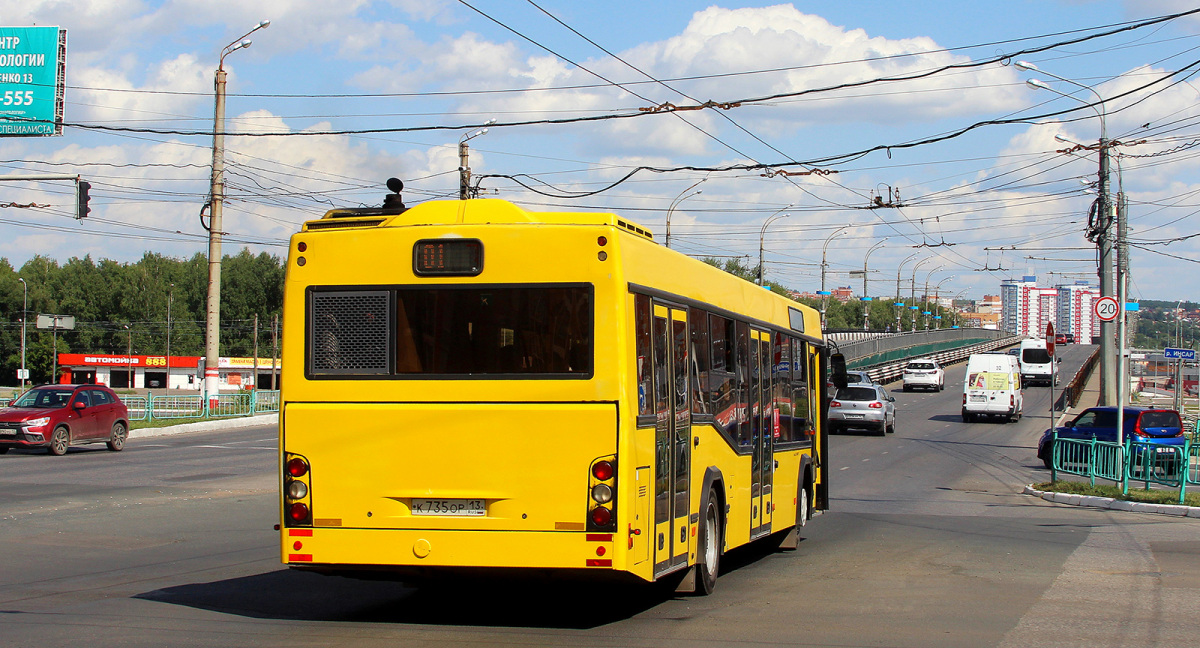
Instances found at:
x=195 y=406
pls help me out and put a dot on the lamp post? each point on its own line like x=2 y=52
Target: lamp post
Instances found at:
x=899 y=304
x=867 y=296
x=824 y=248
x=1104 y=238
x=24 y=316
x=683 y=195
x=937 y=291
x=925 y=297
x=762 y=235
x=912 y=296
x=212 y=339
x=464 y=169
x=170 y=298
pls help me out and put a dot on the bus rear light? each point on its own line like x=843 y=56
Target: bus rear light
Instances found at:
x=602 y=470
x=602 y=484
x=297 y=490
x=298 y=512
x=602 y=241
x=601 y=517
x=602 y=493
x=297 y=467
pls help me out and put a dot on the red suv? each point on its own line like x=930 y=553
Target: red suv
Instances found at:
x=58 y=416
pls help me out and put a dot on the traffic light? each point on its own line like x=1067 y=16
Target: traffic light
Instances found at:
x=81 y=199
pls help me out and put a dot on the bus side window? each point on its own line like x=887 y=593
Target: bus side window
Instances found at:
x=742 y=364
x=802 y=421
x=722 y=391
x=701 y=363
x=645 y=389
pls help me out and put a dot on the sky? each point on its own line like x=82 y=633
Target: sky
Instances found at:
x=897 y=136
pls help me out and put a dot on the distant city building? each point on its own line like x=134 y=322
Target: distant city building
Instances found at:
x=1026 y=308
x=989 y=304
x=842 y=293
x=1075 y=311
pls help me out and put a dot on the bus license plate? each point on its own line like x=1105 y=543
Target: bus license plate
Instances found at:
x=467 y=507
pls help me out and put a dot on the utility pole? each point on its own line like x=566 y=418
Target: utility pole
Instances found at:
x=464 y=167
x=212 y=322
x=256 y=352
x=275 y=352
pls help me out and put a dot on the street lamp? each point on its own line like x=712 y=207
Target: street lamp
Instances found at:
x=925 y=297
x=866 y=296
x=899 y=304
x=464 y=169
x=1104 y=239
x=762 y=235
x=912 y=295
x=212 y=339
x=826 y=247
x=24 y=316
x=675 y=203
x=937 y=291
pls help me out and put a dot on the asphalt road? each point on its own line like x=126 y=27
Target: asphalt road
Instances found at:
x=930 y=543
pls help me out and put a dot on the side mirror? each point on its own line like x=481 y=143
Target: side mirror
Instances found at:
x=79 y=405
x=837 y=370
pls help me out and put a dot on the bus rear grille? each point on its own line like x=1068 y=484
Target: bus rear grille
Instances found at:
x=349 y=333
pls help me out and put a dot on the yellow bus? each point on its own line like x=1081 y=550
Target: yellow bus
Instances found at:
x=468 y=385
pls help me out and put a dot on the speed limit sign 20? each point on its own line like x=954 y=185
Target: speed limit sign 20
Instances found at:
x=1106 y=309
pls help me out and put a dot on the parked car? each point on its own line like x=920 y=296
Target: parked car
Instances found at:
x=924 y=372
x=1157 y=426
x=1060 y=338
x=56 y=417
x=863 y=406
x=1070 y=338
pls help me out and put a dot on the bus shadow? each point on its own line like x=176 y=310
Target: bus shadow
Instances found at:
x=289 y=595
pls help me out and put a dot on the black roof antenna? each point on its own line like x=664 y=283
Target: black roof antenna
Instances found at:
x=393 y=203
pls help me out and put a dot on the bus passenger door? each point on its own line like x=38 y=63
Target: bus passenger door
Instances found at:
x=765 y=423
x=672 y=461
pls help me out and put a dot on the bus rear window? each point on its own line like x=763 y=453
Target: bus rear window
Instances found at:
x=472 y=331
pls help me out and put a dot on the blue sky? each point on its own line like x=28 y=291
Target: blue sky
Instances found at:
x=997 y=196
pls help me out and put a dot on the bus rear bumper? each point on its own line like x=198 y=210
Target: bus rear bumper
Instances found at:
x=404 y=551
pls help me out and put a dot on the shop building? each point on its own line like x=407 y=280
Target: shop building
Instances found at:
x=162 y=372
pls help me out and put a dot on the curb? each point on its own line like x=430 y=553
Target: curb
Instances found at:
x=206 y=426
x=1073 y=499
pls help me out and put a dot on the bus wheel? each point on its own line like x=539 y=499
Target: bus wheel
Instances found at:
x=802 y=512
x=710 y=548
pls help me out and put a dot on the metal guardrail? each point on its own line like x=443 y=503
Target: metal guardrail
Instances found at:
x=195 y=406
x=884 y=355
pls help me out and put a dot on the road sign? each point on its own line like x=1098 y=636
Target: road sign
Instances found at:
x=56 y=322
x=1179 y=354
x=1105 y=309
x=1050 y=338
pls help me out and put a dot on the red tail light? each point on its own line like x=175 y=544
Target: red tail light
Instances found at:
x=876 y=405
x=964 y=399
x=297 y=467
x=601 y=516
x=834 y=404
x=298 y=512
x=602 y=470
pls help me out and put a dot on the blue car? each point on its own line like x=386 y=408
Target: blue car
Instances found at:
x=1142 y=424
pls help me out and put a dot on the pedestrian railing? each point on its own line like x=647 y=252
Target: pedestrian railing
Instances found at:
x=1173 y=467
x=195 y=406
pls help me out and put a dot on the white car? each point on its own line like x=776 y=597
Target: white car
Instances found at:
x=924 y=372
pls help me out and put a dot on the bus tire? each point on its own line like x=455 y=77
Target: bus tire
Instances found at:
x=709 y=554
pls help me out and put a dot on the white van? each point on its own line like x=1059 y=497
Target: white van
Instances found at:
x=1037 y=365
x=992 y=387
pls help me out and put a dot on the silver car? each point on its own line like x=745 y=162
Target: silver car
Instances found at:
x=860 y=406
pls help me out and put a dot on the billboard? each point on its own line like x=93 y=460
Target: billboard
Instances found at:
x=33 y=73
